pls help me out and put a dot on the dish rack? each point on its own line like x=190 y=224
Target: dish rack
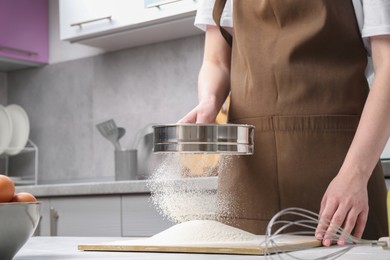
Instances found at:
x=26 y=179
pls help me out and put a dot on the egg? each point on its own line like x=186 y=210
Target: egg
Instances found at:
x=7 y=189
x=23 y=197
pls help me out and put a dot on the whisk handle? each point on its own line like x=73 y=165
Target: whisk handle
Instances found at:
x=384 y=242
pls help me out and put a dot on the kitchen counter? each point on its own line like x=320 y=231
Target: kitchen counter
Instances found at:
x=103 y=188
x=53 y=248
x=108 y=188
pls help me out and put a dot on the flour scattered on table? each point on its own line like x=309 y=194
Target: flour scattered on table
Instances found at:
x=198 y=231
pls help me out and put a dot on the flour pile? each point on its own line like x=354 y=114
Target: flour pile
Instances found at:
x=198 y=231
x=180 y=195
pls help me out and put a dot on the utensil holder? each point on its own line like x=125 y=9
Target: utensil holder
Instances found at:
x=126 y=166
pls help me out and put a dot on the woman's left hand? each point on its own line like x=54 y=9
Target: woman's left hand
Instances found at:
x=344 y=204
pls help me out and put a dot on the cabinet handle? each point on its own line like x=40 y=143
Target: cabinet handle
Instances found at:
x=93 y=20
x=53 y=221
x=160 y=3
x=26 y=52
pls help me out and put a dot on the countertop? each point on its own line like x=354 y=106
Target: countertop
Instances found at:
x=53 y=248
x=109 y=188
x=105 y=188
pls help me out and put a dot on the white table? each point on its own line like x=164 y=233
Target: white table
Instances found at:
x=65 y=248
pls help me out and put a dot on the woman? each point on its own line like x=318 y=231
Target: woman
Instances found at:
x=296 y=70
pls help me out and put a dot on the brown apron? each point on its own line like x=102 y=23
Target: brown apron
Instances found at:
x=298 y=75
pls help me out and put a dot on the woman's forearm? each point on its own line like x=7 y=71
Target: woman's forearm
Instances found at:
x=214 y=75
x=214 y=79
x=374 y=127
x=213 y=84
x=345 y=201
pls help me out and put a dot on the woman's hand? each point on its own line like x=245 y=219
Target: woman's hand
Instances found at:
x=204 y=113
x=345 y=204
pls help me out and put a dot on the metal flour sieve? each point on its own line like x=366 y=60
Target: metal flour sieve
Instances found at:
x=231 y=139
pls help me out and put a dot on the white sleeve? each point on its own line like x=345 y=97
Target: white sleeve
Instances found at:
x=204 y=14
x=376 y=19
x=358 y=5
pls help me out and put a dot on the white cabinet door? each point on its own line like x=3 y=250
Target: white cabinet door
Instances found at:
x=140 y=218
x=86 y=216
x=119 y=24
x=164 y=10
x=88 y=18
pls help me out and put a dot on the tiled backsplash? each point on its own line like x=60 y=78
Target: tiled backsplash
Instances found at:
x=135 y=87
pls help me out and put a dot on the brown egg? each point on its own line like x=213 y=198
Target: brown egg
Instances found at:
x=7 y=189
x=23 y=197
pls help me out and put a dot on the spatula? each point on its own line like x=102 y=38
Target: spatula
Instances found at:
x=110 y=131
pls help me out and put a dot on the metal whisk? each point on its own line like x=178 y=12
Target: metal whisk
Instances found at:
x=280 y=226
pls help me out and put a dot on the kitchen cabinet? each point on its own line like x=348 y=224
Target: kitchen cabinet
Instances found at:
x=120 y=208
x=81 y=216
x=119 y=24
x=23 y=33
x=140 y=217
x=113 y=215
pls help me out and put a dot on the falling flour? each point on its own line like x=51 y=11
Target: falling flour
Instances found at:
x=180 y=195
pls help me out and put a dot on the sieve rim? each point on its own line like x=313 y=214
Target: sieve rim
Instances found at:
x=235 y=139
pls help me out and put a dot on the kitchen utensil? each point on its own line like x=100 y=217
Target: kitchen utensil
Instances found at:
x=230 y=248
x=204 y=138
x=17 y=225
x=5 y=129
x=121 y=132
x=305 y=225
x=20 y=129
x=126 y=166
x=110 y=131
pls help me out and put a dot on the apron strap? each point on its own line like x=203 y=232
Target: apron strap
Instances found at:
x=217 y=14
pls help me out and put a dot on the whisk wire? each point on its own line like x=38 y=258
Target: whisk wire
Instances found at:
x=309 y=223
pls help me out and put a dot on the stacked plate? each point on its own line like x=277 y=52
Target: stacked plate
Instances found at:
x=14 y=129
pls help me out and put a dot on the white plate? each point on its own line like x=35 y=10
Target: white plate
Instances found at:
x=20 y=129
x=5 y=129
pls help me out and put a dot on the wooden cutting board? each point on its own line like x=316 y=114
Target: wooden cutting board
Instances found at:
x=253 y=247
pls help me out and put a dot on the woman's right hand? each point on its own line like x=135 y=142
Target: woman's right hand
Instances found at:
x=205 y=112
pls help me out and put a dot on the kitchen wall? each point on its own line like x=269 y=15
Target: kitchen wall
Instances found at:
x=149 y=84
x=3 y=88
x=3 y=101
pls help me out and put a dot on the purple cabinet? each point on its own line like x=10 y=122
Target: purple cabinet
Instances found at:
x=24 y=31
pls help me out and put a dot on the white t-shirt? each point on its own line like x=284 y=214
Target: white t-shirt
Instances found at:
x=373 y=17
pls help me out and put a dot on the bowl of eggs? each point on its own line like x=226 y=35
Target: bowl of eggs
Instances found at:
x=19 y=217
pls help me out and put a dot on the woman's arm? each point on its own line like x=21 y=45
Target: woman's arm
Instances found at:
x=345 y=202
x=214 y=79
